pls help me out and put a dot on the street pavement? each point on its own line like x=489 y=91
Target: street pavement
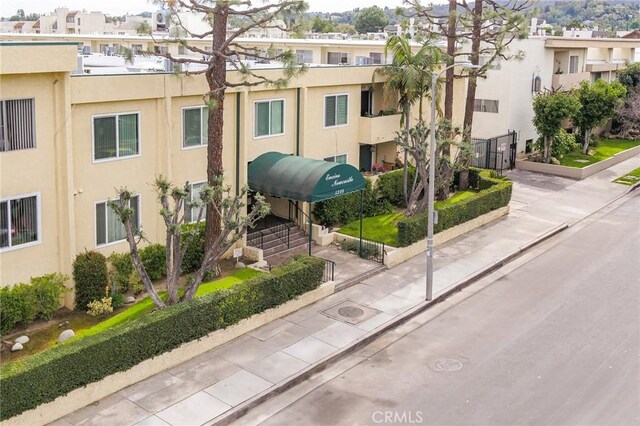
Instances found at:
x=555 y=341
x=217 y=382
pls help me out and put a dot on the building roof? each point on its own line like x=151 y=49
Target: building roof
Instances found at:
x=635 y=34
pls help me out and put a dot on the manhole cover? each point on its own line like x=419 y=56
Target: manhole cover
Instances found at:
x=351 y=312
x=446 y=364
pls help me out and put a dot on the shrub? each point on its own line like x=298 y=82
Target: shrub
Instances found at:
x=42 y=377
x=194 y=235
x=390 y=188
x=564 y=143
x=23 y=303
x=100 y=307
x=91 y=277
x=120 y=271
x=495 y=193
x=345 y=209
x=117 y=300
x=154 y=259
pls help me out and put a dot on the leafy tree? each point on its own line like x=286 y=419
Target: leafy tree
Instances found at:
x=143 y=28
x=319 y=25
x=225 y=53
x=598 y=103
x=370 y=20
x=630 y=76
x=346 y=29
x=409 y=76
x=550 y=110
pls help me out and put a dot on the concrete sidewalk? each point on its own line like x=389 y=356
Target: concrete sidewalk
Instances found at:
x=211 y=386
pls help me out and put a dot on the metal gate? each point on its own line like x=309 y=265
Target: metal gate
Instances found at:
x=497 y=153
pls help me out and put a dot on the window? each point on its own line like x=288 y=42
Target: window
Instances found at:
x=194 y=126
x=573 y=64
x=109 y=227
x=182 y=50
x=340 y=158
x=337 y=58
x=17 y=124
x=335 y=110
x=485 y=105
x=363 y=60
x=19 y=221
x=136 y=48
x=160 y=50
x=115 y=136
x=104 y=48
x=304 y=56
x=193 y=212
x=376 y=58
x=78 y=21
x=269 y=118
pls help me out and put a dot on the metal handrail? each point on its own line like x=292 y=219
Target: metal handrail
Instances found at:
x=253 y=236
x=294 y=217
x=329 y=270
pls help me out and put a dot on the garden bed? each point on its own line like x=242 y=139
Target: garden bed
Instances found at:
x=631 y=178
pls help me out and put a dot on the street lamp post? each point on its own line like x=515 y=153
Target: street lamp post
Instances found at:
x=432 y=173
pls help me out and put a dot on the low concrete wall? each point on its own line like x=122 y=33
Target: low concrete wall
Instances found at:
x=574 y=172
x=402 y=254
x=79 y=398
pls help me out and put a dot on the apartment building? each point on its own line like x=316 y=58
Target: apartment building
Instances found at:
x=68 y=141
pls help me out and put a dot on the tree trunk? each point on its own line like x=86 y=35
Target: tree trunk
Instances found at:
x=585 y=145
x=216 y=78
x=475 y=60
x=405 y=170
x=547 y=148
x=451 y=50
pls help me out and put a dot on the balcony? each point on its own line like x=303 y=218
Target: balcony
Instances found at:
x=375 y=130
x=603 y=66
x=569 y=81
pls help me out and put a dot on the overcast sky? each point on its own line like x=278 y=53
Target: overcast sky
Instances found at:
x=120 y=7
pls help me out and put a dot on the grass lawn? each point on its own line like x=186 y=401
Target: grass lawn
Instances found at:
x=145 y=305
x=630 y=178
x=605 y=149
x=384 y=228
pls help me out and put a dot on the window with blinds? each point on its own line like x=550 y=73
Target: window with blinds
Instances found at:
x=19 y=221
x=269 y=118
x=336 y=110
x=116 y=136
x=17 y=124
x=109 y=227
x=304 y=56
x=195 y=126
x=340 y=158
x=193 y=212
x=337 y=58
x=486 y=105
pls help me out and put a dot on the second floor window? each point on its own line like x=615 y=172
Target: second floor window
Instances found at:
x=17 y=125
x=116 y=136
x=485 y=105
x=573 y=64
x=337 y=58
x=336 y=110
x=195 y=126
x=269 y=118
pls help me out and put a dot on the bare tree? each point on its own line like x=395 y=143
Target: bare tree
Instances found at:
x=628 y=114
x=177 y=207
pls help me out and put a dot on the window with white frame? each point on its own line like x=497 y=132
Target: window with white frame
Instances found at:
x=17 y=124
x=340 y=158
x=337 y=58
x=376 y=58
x=269 y=118
x=195 y=126
x=19 y=221
x=304 y=56
x=573 y=64
x=109 y=227
x=116 y=136
x=485 y=105
x=192 y=212
x=336 y=108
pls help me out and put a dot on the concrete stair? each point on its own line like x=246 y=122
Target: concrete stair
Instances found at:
x=273 y=244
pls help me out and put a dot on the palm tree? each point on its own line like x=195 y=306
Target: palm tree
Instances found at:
x=409 y=75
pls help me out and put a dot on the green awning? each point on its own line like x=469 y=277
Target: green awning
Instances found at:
x=302 y=179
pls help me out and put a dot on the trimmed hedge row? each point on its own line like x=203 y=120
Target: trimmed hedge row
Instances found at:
x=42 y=377
x=494 y=193
x=390 y=185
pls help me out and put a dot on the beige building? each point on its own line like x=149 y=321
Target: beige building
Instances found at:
x=68 y=141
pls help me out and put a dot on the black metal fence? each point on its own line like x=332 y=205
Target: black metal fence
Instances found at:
x=497 y=153
x=329 y=270
x=372 y=250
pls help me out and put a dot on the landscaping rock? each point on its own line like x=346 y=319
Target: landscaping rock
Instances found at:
x=555 y=161
x=240 y=265
x=66 y=335
x=129 y=300
x=22 y=340
x=17 y=347
x=64 y=323
x=591 y=152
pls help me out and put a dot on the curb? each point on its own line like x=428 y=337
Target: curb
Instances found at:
x=240 y=410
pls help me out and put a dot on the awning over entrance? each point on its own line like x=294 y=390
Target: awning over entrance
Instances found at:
x=302 y=179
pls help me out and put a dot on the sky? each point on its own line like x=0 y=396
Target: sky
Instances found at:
x=120 y=7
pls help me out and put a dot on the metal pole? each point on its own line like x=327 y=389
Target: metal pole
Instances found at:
x=310 y=228
x=432 y=177
x=361 y=214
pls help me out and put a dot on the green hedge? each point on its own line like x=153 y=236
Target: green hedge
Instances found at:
x=494 y=193
x=23 y=303
x=154 y=259
x=42 y=377
x=194 y=235
x=91 y=277
x=390 y=185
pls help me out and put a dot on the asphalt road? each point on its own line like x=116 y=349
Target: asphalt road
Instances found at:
x=556 y=341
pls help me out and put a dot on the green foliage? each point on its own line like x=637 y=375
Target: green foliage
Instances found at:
x=117 y=300
x=100 y=307
x=370 y=20
x=494 y=193
x=193 y=235
x=319 y=25
x=120 y=271
x=41 y=378
x=563 y=144
x=23 y=303
x=346 y=208
x=389 y=185
x=154 y=259
x=629 y=76
x=550 y=110
x=91 y=277
x=382 y=228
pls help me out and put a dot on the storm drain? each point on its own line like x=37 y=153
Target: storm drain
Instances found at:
x=446 y=365
x=350 y=312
